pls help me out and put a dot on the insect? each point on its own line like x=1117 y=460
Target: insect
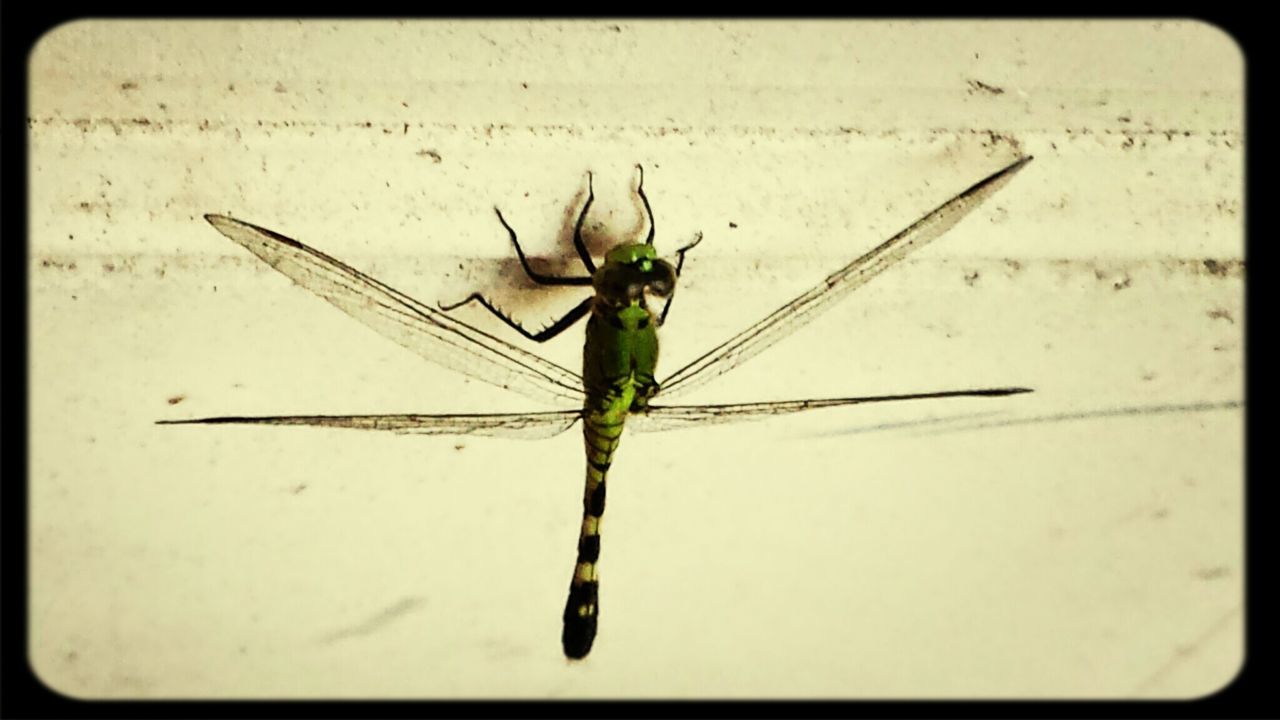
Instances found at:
x=620 y=355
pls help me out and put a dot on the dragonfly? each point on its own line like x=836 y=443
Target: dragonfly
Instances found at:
x=617 y=384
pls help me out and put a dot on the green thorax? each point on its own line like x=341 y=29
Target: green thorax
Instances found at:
x=632 y=254
x=621 y=351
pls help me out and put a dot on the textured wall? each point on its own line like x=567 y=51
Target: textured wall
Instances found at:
x=1083 y=541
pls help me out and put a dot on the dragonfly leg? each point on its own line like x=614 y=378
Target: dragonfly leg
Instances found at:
x=662 y=318
x=680 y=253
x=646 y=388
x=648 y=210
x=535 y=276
x=578 y=242
x=583 y=308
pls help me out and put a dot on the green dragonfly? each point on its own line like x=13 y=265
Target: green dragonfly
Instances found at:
x=617 y=382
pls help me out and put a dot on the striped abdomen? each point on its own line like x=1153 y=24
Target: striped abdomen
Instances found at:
x=601 y=432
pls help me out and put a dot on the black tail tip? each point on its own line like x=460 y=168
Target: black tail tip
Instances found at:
x=579 y=634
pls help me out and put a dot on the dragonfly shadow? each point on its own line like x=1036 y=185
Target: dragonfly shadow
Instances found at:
x=532 y=304
x=532 y=307
x=598 y=236
x=903 y=424
x=987 y=420
x=1100 y=413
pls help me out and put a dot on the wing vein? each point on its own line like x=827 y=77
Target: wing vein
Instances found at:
x=803 y=309
x=524 y=426
x=431 y=333
x=673 y=417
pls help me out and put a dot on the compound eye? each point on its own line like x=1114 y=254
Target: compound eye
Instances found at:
x=612 y=284
x=661 y=287
x=662 y=278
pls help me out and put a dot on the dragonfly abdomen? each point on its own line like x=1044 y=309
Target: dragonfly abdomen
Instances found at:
x=602 y=429
x=582 y=609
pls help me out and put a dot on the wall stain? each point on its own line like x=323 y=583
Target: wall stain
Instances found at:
x=1221 y=314
x=1216 y=572
x=1130 y=411
x=1121 y=137
x=1184 y=652
x=377 y=621
x=979 y=86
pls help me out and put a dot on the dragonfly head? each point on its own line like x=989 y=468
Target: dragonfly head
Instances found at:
x=630 y=271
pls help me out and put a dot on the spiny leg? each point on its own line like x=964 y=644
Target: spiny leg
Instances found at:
x=538 y=277
x=577 y=229
x=571 y=317
x=648 y=210
x=662 y=318
x=577 y=313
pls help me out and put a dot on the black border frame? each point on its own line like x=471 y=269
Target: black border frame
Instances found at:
x=23 y=695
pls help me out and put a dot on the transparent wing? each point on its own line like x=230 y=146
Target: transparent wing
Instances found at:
x=425 y=330
x=676 y=417
x=795 y=314
x=523 y=426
